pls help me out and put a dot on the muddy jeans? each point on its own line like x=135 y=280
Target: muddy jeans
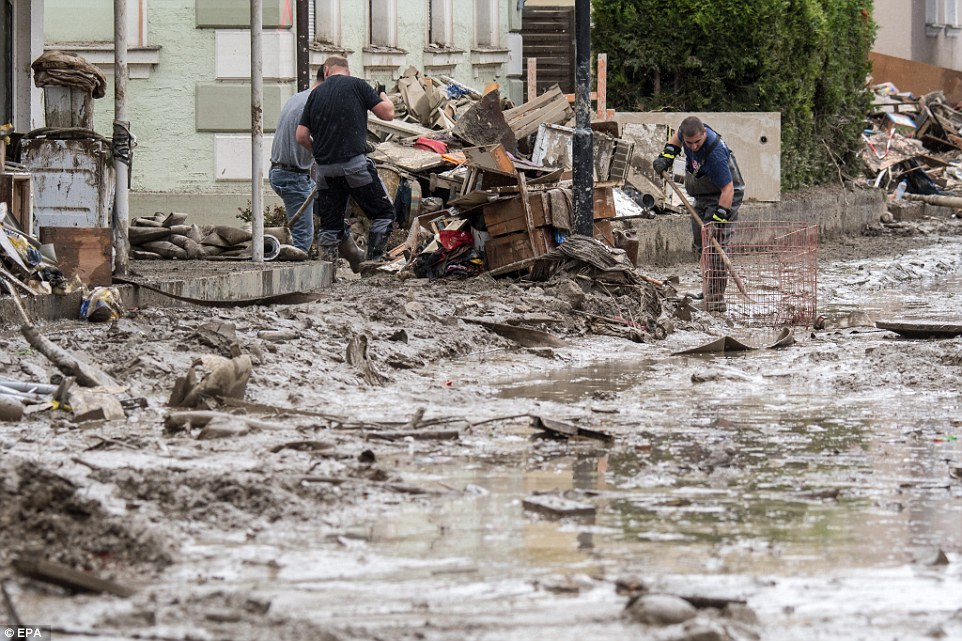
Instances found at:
x=294 y=188
x=357 y=179
x=713 y=267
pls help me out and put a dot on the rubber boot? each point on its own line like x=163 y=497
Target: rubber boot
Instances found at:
x=328 y=253
x=717 y=282
x=375 y=245
x=354 y=254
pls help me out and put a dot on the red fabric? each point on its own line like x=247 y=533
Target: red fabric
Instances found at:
x=451 y=239
x=430 y=144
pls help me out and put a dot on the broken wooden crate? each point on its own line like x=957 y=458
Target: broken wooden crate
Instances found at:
x=551 y=210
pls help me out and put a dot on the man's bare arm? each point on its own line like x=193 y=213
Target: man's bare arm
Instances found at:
x=384 y=109
x=303 y=136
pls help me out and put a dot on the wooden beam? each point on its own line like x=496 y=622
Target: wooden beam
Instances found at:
x=532 y=79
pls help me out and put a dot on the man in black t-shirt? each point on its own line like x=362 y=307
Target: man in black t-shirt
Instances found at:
x=334 y=127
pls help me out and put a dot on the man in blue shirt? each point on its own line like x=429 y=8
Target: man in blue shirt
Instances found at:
x=712 y=177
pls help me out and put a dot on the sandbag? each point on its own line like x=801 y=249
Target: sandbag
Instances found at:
x=282 y=234
x=146 y=222
x=291 y=253
x=140 y=235
x=144 y=255
x=166 y=249
x=213 y=239
x=233 y=235
x=195 y=251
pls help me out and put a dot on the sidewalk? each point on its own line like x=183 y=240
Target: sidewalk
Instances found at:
x=207 y=280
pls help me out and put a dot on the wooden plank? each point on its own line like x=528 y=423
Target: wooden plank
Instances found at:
x=601 y=230
x=396 y=127
x=17 y=191
x=603 y=202
x=82 y=251
x=508 y=216
x=917 y=77
x=557 y=506
x=528 y=215
x=490 y=159
x=532 y=79
x=602 y=85
x=66 y=577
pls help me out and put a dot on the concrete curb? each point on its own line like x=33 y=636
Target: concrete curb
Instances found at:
x=667 y=240
x=235 y=281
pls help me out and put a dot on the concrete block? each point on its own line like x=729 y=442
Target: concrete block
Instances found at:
x=667 y=240
x=906 y=210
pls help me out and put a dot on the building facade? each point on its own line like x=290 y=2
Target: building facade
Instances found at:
x=926 y=31
x=189 y=89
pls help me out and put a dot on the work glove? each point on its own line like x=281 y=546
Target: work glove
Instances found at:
x=379 y=88
x=720 y=214
x=666 y=159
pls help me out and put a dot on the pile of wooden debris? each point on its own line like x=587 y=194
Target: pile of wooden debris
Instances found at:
x=913 y=145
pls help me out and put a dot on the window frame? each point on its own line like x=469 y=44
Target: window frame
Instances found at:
x=440 y=20
x=951 y=13
x=490 y=37
x=386 y=29
x=331 y=11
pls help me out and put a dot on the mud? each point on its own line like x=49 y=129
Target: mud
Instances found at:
x=819 y=484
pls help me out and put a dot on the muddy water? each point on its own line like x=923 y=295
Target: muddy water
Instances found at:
x=805 y=480
x=815 y=482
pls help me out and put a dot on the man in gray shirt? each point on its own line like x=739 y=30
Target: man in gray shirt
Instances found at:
x=290 y=173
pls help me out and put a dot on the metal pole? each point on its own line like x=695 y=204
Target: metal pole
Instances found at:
x=257 y=132
x=303 y=32
x=583 y=162
x=122 y=144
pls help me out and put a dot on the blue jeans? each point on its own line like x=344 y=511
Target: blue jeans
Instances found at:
x=294 y=188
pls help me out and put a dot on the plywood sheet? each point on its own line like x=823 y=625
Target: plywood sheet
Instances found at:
x=82 y=251
x=917 y=77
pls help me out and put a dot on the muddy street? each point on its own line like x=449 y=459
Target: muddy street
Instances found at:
x=812 y=491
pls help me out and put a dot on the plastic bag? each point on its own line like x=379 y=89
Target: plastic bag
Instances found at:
x=103 y=304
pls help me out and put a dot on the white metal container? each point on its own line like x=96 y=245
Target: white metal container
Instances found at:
x=73 y=181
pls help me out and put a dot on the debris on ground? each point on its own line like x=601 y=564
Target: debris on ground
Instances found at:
x=912 y=145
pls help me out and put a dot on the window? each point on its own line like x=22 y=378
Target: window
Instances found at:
x=486 y=23
x=952 y=13
x=327 y=21
x=441 y=23
x=383 y=14
x=932 y=13
x=93 y=21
